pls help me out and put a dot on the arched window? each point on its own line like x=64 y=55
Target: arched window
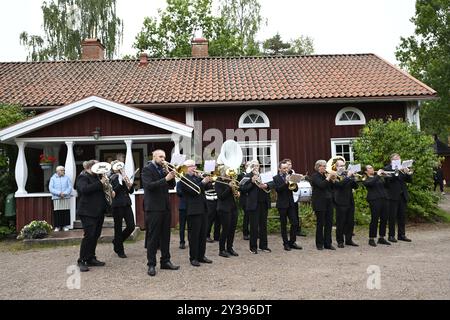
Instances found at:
x=254 y=119
x=350 y=116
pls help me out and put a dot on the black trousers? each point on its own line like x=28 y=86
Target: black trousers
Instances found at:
x=258 y=226
x=345 y=223
x=182 y=223
x=229 y=222
x=213 y=218
x=297 y=207
x=197 y=235
x=92 y=228
x=440 y=184
x=158 y=226
x=379 y=211
x=246 y=223
x=397 y=215
x=293 y=220
x=120 y=214
x=324 y=225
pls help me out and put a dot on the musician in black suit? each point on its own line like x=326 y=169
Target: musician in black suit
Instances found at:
x=286 y=207
x=193 y=189
x=92 y=207
x=181 y=215
x=213 y=215
x=378 y=202
x=345 y=205
x=242 y=203
x=121 y=210
x=157 y=182
x=296 y=204
x=257 y=204
x=322 y=203
x=226 y=206
x=398 y=197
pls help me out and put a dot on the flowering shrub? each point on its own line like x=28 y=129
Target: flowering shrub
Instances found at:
x=46 y=159
x=35 y=230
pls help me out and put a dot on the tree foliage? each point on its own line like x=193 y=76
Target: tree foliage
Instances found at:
x=171 y=33
x=379 y=139
x=426 y=55
x=300 y=46
x=68 y=22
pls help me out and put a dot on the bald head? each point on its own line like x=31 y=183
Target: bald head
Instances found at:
x=159 y=156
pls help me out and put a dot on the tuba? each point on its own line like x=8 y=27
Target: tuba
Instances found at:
x=101 y=169
x=331 y=167
x=231 y=157
x=120 y=166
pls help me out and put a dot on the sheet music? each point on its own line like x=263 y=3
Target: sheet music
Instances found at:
x=210 y=166
x=354 y=167
x=407 y=163
x=396 y=164
x=266 y=177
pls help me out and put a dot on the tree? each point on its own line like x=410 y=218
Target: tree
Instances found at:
x=300 y=46
x=426 y=55
x=303 y=45
x=68 y=22
x=275 y=46
x=379 y=139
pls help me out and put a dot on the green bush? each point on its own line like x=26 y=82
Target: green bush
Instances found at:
x=378 y=140
x=36 y=229
x=5 y=231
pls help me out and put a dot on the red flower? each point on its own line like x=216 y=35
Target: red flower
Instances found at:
x=46 y=159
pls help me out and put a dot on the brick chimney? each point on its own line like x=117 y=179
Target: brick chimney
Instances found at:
x=92 y=49
x=199 y=47
x=143 y=59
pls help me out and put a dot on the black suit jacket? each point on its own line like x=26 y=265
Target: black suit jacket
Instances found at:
x=92 y=201
x=122 y=198
x=225 y=197
x=343 y=192
x=322 y=191
x=285 y=199
x=195 y=203
x=396 y=186
x=375 y=188
x=253 y=194
x=156 y=189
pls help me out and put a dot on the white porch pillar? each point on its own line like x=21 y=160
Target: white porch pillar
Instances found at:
x=412 y=113
x=21 y=171
x=176 y=140
x=129 y=171
x=71 y=172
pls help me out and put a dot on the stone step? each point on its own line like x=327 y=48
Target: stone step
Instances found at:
x=108 y=223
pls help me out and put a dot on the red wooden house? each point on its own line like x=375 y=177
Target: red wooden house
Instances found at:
x=300 y=107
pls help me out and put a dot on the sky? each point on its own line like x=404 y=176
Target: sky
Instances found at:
x=336 y=26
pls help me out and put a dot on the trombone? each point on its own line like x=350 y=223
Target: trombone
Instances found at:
x=180 y=171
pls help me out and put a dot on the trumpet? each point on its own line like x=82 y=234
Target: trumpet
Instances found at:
x=293 y=179
x=101 y=168
x=180 y=171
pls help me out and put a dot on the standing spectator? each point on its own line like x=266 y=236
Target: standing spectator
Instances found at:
x=61 y=188
x=439 y=178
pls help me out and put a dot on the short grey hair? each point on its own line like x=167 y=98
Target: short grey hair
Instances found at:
x=59 y=168
x=319 y=163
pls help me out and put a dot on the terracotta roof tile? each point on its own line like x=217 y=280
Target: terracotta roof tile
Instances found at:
x=207 y=80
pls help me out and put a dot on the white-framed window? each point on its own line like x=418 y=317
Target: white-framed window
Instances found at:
x=343 y=147
x=350 y=116
x=254 y=119
x=263 y=151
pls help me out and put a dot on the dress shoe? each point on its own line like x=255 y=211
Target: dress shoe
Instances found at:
x=233 y=253
x=404 y=238
x=254 y=251
x=169 y=266
x=195 y=263
x=319 y=248
x=266 y=250
x=351 y=243
x=330 y=248
x=246 y=237
x=383 y=241
x=392 y=239
x=287 y=247
x=182 y=245
x=151 y=271
x=340 y=245
x=122 y=255
x=209 y=240
x=205 y=260
x=95 y=263
x=295 y=246
x=83 y=266
x=372 y=242
x=224 y=254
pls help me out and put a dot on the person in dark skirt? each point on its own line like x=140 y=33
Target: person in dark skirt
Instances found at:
x=60 y=187
x=121 y=209
x=378 y=202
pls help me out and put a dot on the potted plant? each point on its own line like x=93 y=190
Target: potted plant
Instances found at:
x=36 y=229
x=46 y=161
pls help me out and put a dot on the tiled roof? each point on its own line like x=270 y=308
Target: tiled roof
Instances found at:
x=207 y=80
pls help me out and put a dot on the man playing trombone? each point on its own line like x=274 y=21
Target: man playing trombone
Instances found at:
x=157 y=182
x=193 y=190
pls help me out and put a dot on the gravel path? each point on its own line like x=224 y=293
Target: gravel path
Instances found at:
x=417 y=270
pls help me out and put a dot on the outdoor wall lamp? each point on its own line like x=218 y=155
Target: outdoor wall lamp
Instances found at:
x=96 y=133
